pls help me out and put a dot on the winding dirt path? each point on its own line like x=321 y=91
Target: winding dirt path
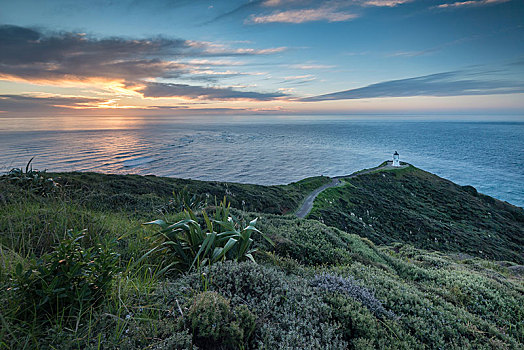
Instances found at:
x=307 y=205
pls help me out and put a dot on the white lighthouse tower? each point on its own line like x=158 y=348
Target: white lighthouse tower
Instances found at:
x=396 y=161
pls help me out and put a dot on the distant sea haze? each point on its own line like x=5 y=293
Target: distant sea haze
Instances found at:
x=270 y=150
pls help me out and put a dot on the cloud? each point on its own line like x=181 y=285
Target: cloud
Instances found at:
x=185 y=110
x=239 y=9
x=384 y=3
x=118 y=63
x=299 y=79
x=307 y=66
x=440 y=47
x=471 y=3
x=215 y=62
x=45 y=102
x=159 y=90
x=302 y=11
x=412 y=53
x=28 y=54
x=250 y=5
x=48 y=104
x=441 y=84
x=275 y=3
x=302 y=16
x=256 y=52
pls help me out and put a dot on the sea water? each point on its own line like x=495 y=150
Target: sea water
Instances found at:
x=271 y=150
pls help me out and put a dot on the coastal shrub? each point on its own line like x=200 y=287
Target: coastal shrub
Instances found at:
x=106 y=331
x=282 y=263
x=311 y=243
x=474 y=285
x=290 y=314
x=185 y=244
x=485 y=297
x=434 y=320
x=67 y=280
x=213 y=321
x=362 y=330
x=352 y=289
x=154 y=334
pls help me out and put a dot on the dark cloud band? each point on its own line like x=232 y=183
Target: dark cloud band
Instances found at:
x=442 y=84
x=15 y=103
x=33 y=55
x=199 y=92
x=29 y=54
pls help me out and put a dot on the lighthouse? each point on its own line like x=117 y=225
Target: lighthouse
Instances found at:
x=396 y=161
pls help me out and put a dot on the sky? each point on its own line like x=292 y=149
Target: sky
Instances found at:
x=194 y=57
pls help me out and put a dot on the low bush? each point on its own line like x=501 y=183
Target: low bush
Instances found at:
x=213 y=321
x=91 y=189
x=311 y=243
x=65 y=281
x=290 y=314
x=154 y=334
x=435 y=320
x=362 y=330
x=34 y=227
x=349 y=287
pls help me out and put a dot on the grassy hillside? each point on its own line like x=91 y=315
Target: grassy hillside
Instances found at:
x=138 y=193
x=144 y=194
x=315 y=287
x=413 y=206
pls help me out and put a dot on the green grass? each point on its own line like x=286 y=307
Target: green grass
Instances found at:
x=431 y=299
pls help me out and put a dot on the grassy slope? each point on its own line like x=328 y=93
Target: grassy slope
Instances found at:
x=142 y=194
x=437 y=300
x=413 y=206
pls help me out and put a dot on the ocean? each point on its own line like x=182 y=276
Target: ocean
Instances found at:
x=271 y=150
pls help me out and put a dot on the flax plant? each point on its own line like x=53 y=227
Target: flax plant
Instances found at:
x=186 y=244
